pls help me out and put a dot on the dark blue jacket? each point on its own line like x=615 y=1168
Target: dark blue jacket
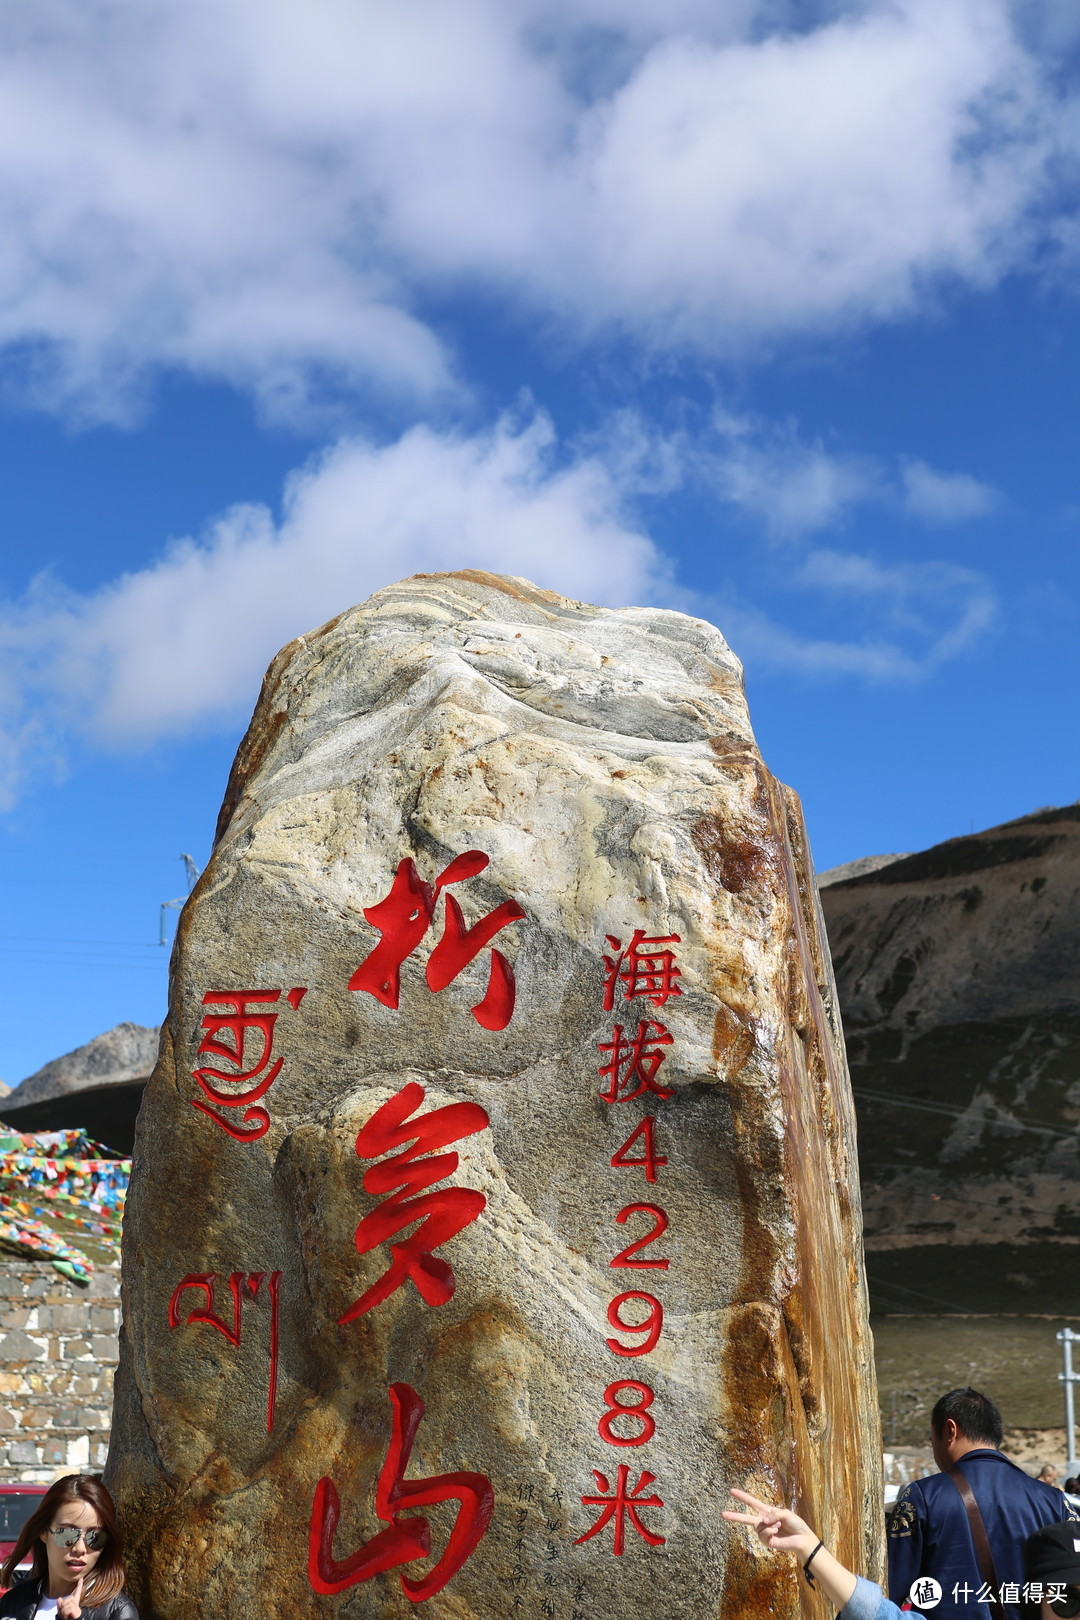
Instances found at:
x=929 y=1532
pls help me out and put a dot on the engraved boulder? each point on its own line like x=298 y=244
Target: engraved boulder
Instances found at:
x=495 y=1203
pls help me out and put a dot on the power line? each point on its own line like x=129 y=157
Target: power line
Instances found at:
x=916 y=1293
x=61 y=939
x=954 y=1112
x=191 y=872
x=84 y=961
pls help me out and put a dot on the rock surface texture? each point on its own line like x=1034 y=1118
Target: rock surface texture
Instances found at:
x=603 y=766
x=959 y=977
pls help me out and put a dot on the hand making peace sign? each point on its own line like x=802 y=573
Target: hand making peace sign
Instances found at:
x=777 y=1528
x=781 y=1530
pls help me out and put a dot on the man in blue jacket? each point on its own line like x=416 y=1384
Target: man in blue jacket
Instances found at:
x=930 y=1531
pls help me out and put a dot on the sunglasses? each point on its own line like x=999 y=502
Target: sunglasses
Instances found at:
x=1069 y=1606
x=67 y=1535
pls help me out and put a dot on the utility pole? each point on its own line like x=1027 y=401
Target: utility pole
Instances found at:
x=191 y=872
x=1067 y=1338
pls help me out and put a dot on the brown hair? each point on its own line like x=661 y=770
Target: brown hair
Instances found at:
x=106 y=1579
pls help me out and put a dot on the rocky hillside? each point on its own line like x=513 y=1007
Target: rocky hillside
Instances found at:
x=959 y=977
x=123 y=1054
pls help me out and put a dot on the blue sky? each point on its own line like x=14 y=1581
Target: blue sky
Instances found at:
x=766 y=312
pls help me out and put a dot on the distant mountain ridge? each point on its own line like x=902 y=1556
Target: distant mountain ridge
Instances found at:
x=859 y=868
x=958 y=971
x=122 y=1054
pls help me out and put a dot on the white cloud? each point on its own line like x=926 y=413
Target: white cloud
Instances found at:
x=903 y=621
x=807 y=179
x=267 y=192
x=934 y=610
x=946 y=497
x=795 y=488
x=183 y=642
x=180 y=645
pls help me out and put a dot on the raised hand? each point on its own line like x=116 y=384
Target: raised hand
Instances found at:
x=780 y=1530
x=70 y=1607
x=777 y=1528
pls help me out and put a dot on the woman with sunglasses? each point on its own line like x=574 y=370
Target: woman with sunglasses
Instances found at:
x=75 y=1544
x=1051 y=1556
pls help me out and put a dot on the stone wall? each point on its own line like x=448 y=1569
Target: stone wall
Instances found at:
x=58 y=1344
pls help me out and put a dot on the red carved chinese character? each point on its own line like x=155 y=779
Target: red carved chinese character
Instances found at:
x=406 y=1539
x=650 y=1160
x=622 y=1504
x=403 y=919
x=442 y=1214
x=236 y=1024
x=644 y=969
x=205 y=1280
x=635 y=1057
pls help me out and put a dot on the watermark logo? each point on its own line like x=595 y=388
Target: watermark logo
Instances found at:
x=925 y=1592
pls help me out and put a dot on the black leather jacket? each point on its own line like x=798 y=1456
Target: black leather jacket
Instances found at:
x=20 y=1603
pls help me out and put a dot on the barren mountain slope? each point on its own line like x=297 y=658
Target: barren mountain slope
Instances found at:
x=959 y=977
x=122 y=1054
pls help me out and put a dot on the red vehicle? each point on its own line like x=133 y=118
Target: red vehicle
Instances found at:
x=18 y=1499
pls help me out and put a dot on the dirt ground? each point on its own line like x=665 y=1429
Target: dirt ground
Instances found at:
x=1013 y=1359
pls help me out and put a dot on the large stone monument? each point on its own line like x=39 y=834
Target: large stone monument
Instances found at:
x=495 y=1203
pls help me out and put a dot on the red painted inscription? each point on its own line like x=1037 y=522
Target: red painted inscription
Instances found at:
x=634 y=1062
x=441 y=1214
x=225 y=1037
x=650 y=1328
x=403 y=919
x=636 y=1409
x=252 y=1280
x=620 y=1505
x=643 y=969
x=624 y=1258
x=650 y=1160
x=646 y=969
x=406 y=1539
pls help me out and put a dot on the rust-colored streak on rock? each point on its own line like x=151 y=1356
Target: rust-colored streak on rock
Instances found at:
x=799 y=1208
x=604 y=763
x=250 y=756
x=521 y=590
x=770 y=1435
x=823 y=1173
x=731 y=746
x=732 y=1044
x=752 y=1588
x=734 y=863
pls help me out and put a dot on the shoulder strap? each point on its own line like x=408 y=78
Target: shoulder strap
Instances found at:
x=978 y=1535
